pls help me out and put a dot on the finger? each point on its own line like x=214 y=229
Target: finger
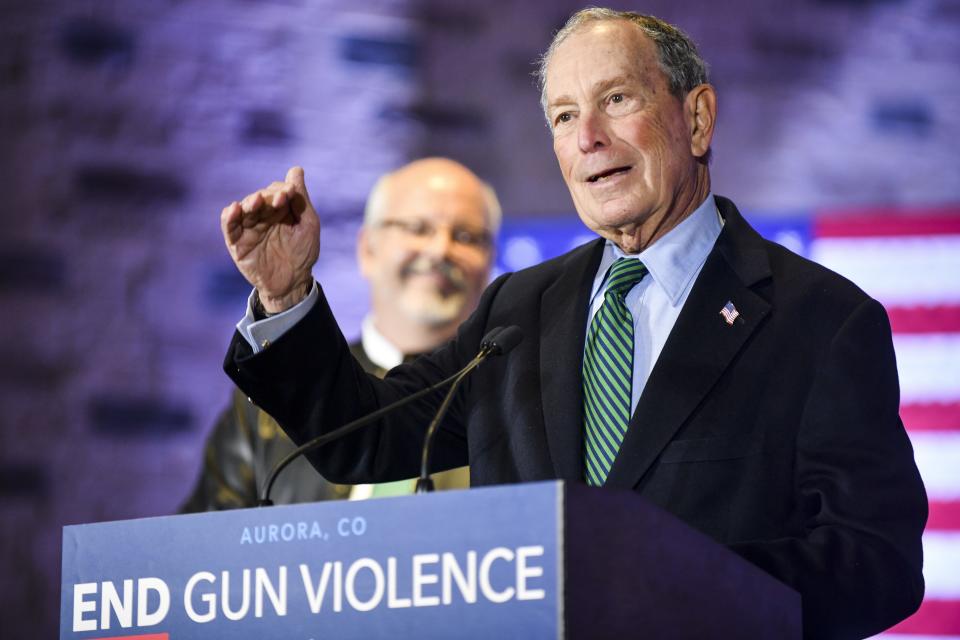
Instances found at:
x=229 y=213
x=282 y=197
x=268 y=192
x=230 y=223
x=299 y=199
x=252 y=202
x=295 y=177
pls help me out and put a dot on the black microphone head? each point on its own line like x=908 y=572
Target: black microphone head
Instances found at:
x=490 y=337
x=502 y=340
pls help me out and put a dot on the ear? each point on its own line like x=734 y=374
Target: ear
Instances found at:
x=365 y=252
x=700 y=108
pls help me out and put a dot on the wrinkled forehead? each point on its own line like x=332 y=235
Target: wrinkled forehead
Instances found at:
x=598 y=51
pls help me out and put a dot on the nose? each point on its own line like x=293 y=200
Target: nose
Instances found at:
x=439 y=243
x=592 y=131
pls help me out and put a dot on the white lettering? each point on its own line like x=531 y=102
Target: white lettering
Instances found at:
x=240 y=613
x=299 y=530
x=278 y=600
x=315 y=597
x=525 y=572
x=420 y=579
x=209 y=598
x=338 y=586
x=453 y=573
x=393 y=602
x=352 y=526
x=110 y=602
x=377 y=571
x=358 y=526
x=82 y=606
x=144 y=587
x=499 y=553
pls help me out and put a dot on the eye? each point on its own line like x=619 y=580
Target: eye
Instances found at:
x=471 y=238
x=617 y=98
x=418 y=228
x=564 y=117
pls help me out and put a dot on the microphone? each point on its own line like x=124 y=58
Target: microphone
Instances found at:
x=500 y=341
x=497 y=342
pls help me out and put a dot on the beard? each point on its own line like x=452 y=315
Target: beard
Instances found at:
x=435 y=305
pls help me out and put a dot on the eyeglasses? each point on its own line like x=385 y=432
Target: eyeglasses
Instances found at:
x=424 y=230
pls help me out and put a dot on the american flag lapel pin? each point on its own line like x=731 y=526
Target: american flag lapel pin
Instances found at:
x=729 y=313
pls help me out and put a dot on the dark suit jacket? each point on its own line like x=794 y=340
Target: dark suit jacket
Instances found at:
x=778 y=436
x=246 y=444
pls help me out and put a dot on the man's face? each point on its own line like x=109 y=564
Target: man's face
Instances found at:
x=428 y=255
x=620 y=135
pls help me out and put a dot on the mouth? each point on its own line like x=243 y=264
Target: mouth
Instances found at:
x=608 y=173
x=435 y=278
x=443 y=277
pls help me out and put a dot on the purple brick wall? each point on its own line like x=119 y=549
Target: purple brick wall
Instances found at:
x=126 y=126
x=823 y=103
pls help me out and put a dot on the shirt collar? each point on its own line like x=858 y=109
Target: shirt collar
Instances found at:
x=674 y=259
x=378 y=348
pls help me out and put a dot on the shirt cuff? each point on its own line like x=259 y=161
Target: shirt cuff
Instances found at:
x=261 y=333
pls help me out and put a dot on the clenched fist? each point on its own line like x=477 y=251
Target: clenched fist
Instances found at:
x=273 y=236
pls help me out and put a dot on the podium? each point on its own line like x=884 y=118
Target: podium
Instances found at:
x=539 y=560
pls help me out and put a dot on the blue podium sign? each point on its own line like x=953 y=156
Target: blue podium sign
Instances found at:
x=467 y=564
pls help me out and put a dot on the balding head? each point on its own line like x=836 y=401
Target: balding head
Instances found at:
x=432 y=174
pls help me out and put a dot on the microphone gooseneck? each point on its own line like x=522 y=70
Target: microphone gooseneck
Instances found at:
x=494 y=343
x=497 y=342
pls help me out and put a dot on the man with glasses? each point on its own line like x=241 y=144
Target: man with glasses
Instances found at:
x=425 y=248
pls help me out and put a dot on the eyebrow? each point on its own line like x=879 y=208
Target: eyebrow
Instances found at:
x=598 y=87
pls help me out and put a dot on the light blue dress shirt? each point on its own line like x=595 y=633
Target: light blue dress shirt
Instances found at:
x=260 y=333
x=674 y=262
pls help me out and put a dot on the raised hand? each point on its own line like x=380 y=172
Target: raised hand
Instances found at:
x=273 y=236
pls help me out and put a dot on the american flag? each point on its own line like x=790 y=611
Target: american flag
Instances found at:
x=911 y=263
x=729 y=313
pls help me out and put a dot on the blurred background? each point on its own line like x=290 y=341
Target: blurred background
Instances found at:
x=127 y=125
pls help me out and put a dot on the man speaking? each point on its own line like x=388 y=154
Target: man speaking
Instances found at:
x=748 y=391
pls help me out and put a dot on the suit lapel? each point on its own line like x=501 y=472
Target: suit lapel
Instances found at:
x=700 y=347
x=563 y=322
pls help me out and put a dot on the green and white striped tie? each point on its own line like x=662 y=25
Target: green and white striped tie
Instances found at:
x=608 y=372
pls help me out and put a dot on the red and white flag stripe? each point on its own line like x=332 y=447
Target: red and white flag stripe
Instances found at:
x=912 y=265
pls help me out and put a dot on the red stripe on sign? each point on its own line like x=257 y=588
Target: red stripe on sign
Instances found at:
x=937 y=319
x=886 y=222
x=935 y=617
x=944 y=515
x=146 y=636
x=933 y=416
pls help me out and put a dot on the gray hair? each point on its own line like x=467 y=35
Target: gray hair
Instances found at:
x=376 y=207
x=679 y=58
